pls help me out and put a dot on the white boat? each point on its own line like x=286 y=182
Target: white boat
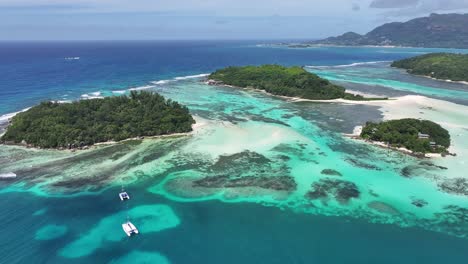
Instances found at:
x=124 y=196
x=129 y=228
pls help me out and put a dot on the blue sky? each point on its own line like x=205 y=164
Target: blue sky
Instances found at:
x=205 y=19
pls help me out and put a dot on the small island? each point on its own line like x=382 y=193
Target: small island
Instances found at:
x=87 y=122
x=282 y=81
x=417 y=136
x=442 y=66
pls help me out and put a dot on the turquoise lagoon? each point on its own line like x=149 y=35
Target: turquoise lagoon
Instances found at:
x=261 y=180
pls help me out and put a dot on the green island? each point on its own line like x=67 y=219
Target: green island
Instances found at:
x=87 y=122
x=443 y=66
x=282 y=81
x=419 y=136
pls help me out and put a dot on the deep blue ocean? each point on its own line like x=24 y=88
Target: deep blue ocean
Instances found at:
x=210 y=231
x=36 y=71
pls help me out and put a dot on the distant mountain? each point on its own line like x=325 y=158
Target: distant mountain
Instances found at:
x=435 y=31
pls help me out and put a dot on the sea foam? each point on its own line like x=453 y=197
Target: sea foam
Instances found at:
x=93 y=95
x=9 y=175
x=346 y=65
x=6 y=117
x=180 y=78
x=191 y=76
x=141 y=88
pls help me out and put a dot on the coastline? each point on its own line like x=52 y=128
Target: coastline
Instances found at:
x=291 y=45
x=442 y=80
x=397 y=103
x=299 y=99
x=356 y=135
x=430 y=77
x=199 y=123
x=449 y=115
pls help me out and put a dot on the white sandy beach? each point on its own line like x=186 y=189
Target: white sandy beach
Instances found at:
x=451 y=116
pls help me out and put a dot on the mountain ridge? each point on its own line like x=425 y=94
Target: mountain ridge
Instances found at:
x=434 y=31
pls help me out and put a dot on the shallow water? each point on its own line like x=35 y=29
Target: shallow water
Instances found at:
x=262 y=180
x=381 y=79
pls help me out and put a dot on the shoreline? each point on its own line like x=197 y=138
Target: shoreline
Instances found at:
x=299 y=99
x=441 y=80
x=199 y=123
x=305 y=45
x=447 y=114
x=356 y=135
x=430 y=77
x=291 y=45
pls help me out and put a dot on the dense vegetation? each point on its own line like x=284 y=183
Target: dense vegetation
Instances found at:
x=435 y=31
x=284 y=81
x=86 y=122
x=404 y=133
x=445 y=66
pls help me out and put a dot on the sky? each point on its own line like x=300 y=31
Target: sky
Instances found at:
x=205 y=19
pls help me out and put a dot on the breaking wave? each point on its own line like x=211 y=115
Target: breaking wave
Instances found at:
x=180 y=78
x=346 y=65
x=93 y=95
x=6 y=117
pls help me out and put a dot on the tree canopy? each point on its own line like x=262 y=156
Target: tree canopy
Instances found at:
x=444 y=66
x=405 y=133
x=284 y=81
x=86 y=122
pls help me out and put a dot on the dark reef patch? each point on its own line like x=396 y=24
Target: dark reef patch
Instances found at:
x=331 y=172
x=456 y=186
x=267 y=120
x=157 y=150
x=94 y=174
x=221 y=116
x=407 y=171
x=383 y=208
x=430 y=164
x=289 y=149
x=92 y=157
x=360 y=150
x=422 y=168
x=342 y=191
x=455 y=219
x=418 y=202
x=247 y=169
x=277 y=183
x=242 y=161
x=361 y=164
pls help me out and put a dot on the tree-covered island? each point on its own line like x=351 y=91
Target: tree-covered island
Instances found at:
x=86 y=122
x=419 y=136
x=443 y=66
x=282 y=81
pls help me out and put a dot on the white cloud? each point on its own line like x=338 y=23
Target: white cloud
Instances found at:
x=393 y=3
x=411 y=8
x=214 y=7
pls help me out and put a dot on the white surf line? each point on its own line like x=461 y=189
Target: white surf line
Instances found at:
x=346 y=65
